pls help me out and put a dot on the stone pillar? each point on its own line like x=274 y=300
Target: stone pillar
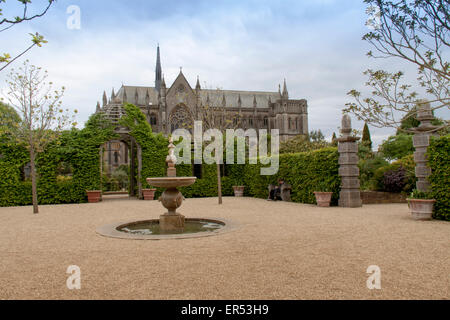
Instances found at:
x=139 y=182
x=421 y=142
x=132 y=168
x=350 y=196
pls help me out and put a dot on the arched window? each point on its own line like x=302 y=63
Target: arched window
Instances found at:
x=153 y=120
x=181 y=118
x=266 y=122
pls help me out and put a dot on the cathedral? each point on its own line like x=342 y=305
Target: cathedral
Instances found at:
x=170 y=108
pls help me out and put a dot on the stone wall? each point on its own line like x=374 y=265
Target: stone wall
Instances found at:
x=374 y=197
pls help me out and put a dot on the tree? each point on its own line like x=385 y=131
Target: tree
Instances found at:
x=8 y=23
x=416 y=32
x=40 y=109
x=397 y=147
x=316 y=136
x=366 y=138
x=334 y=141
x=302 y=143
x=215 y=115
x=9 y=119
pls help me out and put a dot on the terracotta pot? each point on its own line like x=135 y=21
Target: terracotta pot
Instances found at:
x=149 y=194
x=238 y=191
x=421 y=209
x=94 y=196
x=323 y=199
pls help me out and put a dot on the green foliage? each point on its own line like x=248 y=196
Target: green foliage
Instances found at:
x=438 y=160
x=367 y=169
x=416 y=194
x=404 y=167
x=366 y=138
x=305 y=172
x=396 y=147
x=303 y=143
x=154 y=147
x=77 y=149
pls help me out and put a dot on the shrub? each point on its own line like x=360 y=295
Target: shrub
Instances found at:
x=438 y=160
x=303 y=171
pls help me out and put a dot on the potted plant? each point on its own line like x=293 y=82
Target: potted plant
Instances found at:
x=323 y=197
x=421 y=205
x=239 y=189
x=94 y=196
x=148 y=194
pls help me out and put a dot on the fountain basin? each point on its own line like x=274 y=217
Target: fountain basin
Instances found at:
x=171 y=182
x=149 y=229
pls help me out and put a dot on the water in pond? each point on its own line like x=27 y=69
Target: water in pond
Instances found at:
x=152 y=228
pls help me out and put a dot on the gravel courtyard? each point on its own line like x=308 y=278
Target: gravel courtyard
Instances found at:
x=279 y=251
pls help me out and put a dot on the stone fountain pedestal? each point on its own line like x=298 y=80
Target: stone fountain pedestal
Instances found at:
x=171 y=198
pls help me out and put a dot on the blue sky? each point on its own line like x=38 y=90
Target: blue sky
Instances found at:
x=250 y=45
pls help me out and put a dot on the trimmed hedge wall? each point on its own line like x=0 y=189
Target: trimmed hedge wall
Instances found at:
x=79 y=148
x=305 y=171
x=439 y=161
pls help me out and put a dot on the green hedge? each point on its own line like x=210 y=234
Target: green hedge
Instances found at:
x=438 y=155
x=79 y=148
x=305 y=171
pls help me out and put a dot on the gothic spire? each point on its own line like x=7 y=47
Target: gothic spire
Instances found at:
x=285 y=91
x=113 y=95
x=255 y=103
x=198 y=86
x=98 y=107
x=158 y=72
x=105 y=99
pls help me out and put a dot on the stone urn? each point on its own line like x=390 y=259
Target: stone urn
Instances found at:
x=421 y=209
x=323 y=199
x=148 y=194
x=239 y=191
x=94 y=196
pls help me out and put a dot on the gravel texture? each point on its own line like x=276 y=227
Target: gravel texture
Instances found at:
x=279 y=251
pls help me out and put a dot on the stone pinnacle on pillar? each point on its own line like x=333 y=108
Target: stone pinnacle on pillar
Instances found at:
x=350 y=196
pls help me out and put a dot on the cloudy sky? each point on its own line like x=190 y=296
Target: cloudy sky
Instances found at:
x=231 y=44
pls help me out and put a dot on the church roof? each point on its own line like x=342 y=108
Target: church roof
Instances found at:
x=232 y=98
x=138 y=95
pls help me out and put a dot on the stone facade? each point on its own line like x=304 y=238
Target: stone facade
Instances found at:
x=170 y=108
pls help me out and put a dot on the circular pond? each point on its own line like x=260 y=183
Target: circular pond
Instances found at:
x=150 y=230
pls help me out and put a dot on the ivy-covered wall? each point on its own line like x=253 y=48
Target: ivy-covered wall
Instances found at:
x=78 y=148
x=439 y=161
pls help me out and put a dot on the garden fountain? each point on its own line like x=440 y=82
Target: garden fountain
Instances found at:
x=171 y=225
x=171 y=198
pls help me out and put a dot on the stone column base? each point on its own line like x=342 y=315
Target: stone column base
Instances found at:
x=172 y=223
x=350 y=199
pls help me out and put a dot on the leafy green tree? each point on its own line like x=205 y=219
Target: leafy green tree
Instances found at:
x=397 y=147
x=302 y=143
x=40 y=109
x=316 y=136
x=334 y=141
x=366 y=138
x=7 y=23
x=9 y=119
x=416 y=32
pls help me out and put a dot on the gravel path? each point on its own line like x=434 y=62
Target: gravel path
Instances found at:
x=279 y=251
